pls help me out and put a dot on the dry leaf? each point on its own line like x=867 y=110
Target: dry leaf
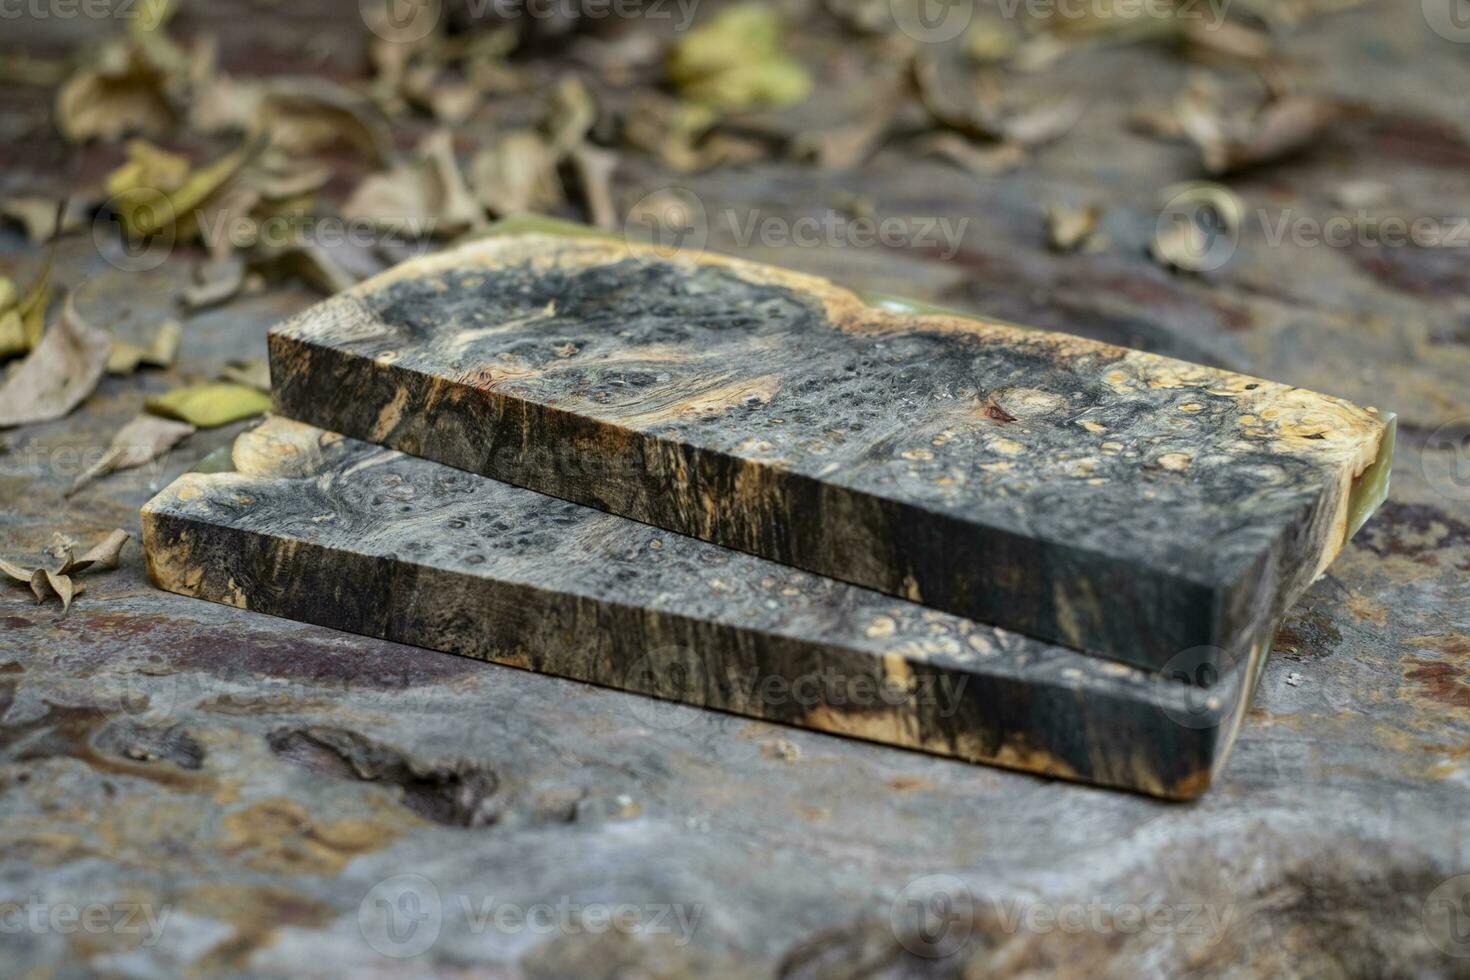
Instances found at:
x=38 y=216
x=124 y=91
x=140 y=441
x=992 y=39
x=210 y=405
x=59 y=373
x=1068 y=229
x=594 y=168
x=735 y=61
x=307 y=115
x=44 y=582
x=12 y=334
x=1228 y=39
x=254 y=372
x=23 y=321
x=307 y=261
x=104 y=555
x=216 y=281
x=980 y=161
x=160 y=352
x=1281 y=127
x=427 y=196
x=517 y=174
x=569 y=116
x=989 y=118
x=681 y=135
x=851 y=145
x=157 y=191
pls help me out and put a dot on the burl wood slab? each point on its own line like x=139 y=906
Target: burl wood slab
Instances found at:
x=1114 y=501
x=329 y=530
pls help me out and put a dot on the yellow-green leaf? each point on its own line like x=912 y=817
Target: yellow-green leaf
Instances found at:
x=210 y=405
x=736 y=61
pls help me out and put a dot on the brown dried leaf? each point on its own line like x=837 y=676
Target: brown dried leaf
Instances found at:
x=59 y=373
x=427 y=196
x=124 y=91
x=307 y=115
x=1281 y=127
x=38 y=215
x=980 y=161
x=126 y=358
x=1068 y=228
x=253 y=371
x=594 y=168
x=307 y=261
x=570 y=115
x=989 y=119
x=216 y=281
x=850 y=145
x=45 y=583
x=16 y=572
x=104 y=555
x=517 y=174
x=140 y=441
x=1042 y=123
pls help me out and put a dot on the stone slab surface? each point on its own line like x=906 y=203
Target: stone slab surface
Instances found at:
x=261 y=778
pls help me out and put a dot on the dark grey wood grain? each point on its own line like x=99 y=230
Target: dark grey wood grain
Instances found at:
x=1114 y=501
x=341 y=533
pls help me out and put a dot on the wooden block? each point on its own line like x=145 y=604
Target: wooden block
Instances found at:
x=328 y=530
x=1114 y=501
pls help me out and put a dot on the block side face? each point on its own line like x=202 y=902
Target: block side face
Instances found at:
x=706 y=397
x=572 y=601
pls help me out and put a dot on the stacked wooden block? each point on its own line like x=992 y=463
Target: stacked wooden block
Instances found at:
x=743 y=488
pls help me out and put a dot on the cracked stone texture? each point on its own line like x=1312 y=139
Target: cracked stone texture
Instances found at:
x=259 y=779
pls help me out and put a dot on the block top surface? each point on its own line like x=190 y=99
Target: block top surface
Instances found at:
x=1188 y=470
